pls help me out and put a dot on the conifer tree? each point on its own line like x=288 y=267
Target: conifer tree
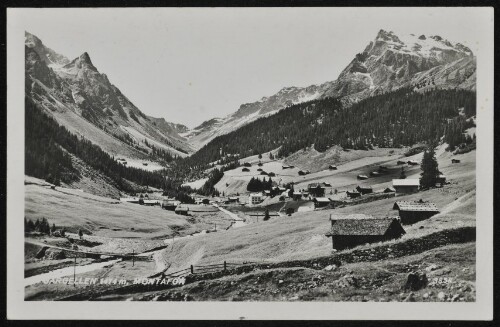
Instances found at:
x=430 y=171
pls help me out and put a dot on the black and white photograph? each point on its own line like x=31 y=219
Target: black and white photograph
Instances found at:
x=328 y=156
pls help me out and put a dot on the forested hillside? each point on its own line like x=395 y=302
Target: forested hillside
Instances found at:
x=48 y=147
x=401 y=118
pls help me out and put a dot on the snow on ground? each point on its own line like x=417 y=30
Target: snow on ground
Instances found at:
x=196 y=184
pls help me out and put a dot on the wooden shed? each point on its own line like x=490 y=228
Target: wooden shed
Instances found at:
x=364 y=189
x=406 y=186
x=411 y=212
x=321 y=202
x=353 y=230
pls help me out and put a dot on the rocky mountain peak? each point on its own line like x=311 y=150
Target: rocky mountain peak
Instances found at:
x=49 y=56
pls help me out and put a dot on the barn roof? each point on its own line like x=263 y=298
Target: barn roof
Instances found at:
x=415 y=206
x=406 y=182
x=322 y=199
x=359 y=227
x=364 y=187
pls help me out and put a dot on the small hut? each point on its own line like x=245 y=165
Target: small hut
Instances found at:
x=352 y=230
x=364 y=189
x=411 y=212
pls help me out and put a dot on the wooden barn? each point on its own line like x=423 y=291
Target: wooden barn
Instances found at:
x=353 y=194
x=245 y=169
x=364 y=189
x=375 y=173
x=406 y=186
x=303 y=172
x=321 y=202
x=389 y=190
x=332 y=167
x=362 y=177
x=412 y=163
x=411 y=212
x=353 y=230
x=182 y=210
x=316 y=189
x=441 y=180
x=297 y=195
x=401 y=162
x=170 y=204
x=455 y=161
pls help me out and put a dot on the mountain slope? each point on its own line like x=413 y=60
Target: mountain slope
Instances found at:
x=83 y=100
x=387 y=63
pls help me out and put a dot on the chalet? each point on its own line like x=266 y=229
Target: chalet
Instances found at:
x=441 y=180
x=267 y=192
x=401 y=162
x=412 y=163
x=151 y=202
x=245 y=169
x=255 y=198
x=321 y=202
x=170 y=204
x=297 y=195
x=411 y=212
x=353 y=194
x=353 y=230
x=405 y=186
x=375 y=173
x=326 y=184
x=332 y=167
x=362 y=177
x=182 y=210
x=364 y=189
x=316 y=189
x=455 y=161
x=389 y=190
x=232 y=199
x=259 y=169
x=285 y=167
x=304 y=172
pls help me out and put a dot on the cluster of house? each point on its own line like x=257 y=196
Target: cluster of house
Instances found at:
x=143 y=200
x=358 y=229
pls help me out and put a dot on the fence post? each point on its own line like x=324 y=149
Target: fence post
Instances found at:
x=225 y=265
x=192 y=269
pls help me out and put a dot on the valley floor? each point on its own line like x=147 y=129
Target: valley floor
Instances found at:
x=274 y=258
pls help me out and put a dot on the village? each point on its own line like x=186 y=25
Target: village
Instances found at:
x=309 y=212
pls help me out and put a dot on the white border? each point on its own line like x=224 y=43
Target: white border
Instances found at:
x=482 y=309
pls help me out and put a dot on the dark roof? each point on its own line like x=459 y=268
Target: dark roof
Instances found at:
x=364 y=188
x=358 y=227
x=415 y=206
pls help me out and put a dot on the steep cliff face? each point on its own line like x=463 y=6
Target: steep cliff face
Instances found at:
x=389 y=62
x=88 y=104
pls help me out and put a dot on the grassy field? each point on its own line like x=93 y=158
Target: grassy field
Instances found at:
x=102 y=216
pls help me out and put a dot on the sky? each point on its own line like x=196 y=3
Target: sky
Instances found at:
x=189 y=65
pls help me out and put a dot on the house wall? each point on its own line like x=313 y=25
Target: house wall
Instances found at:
x=406 y=189
x=411 y=217
x=340 y=242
